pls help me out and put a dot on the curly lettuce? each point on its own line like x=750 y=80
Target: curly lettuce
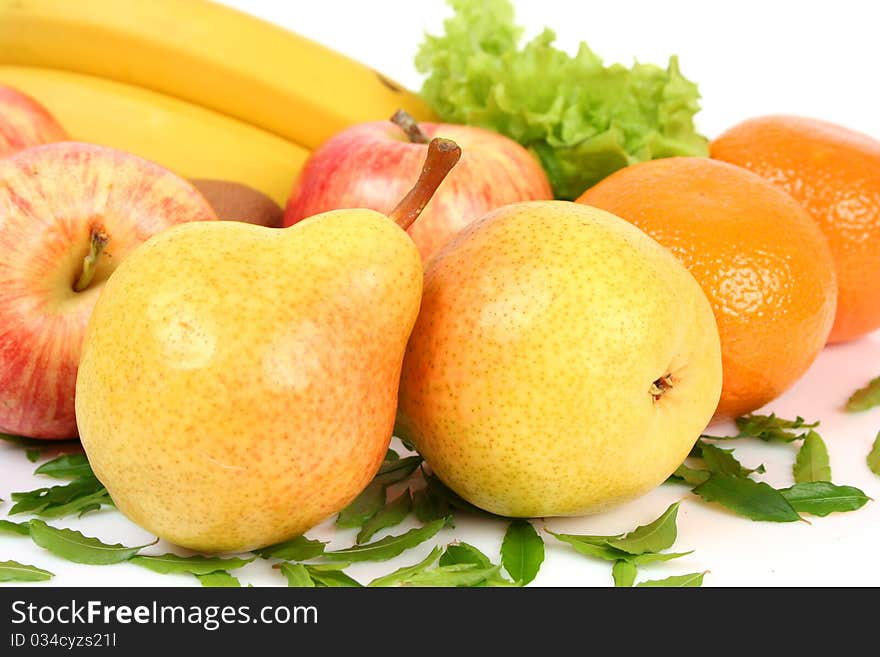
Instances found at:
x=582 y=119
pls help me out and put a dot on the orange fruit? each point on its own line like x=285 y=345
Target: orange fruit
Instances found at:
x=759 y=257
x=834 y=173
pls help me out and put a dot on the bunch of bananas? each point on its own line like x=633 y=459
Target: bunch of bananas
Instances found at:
x=202 y=89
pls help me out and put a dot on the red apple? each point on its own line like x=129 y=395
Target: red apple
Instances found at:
x=24 y=123
x=372 y=165
x=69 y=214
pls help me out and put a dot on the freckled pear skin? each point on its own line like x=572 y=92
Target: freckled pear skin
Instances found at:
x=530 y=377
x=238 y=384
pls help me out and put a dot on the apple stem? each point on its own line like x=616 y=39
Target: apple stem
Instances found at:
x=97 y=242
x=410 y=126
x=442 y=156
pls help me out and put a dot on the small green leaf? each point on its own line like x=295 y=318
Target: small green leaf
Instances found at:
x=874 y=456
x=865 y=398
x=297 y=575
x=691 y=476
x=597 y=547
x=462 y=574
x=751 y=499
x=624 y=573
x=676 y=581
x=74 y=546
x=771 y=428
x=388 y=547
x=428 y=507
x=12 y=571
x=392 y=472
x=326 y=578
x=20 y=528
x=820 y=498
x=33 y=454
x=220 y=579
x=589 y=547
x=67 y=466
x=363 y=507
x=296 y=549
x=402 y=574
x=812 y=463
x=464 y=553
x=391 y=455
x=522 y=551
x=723 y=461
x=653 y=537
x=393 y=514
x=196 y=565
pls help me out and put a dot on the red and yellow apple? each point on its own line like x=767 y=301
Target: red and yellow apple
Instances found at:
x=372 y=165
x=25 y=123
x=69 y=214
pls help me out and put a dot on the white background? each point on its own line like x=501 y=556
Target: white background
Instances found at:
x=810 y=58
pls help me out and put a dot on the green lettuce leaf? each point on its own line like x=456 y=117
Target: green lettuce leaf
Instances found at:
x=582 y=119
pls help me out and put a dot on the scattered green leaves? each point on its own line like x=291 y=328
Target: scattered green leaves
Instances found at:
x=296 y=549
x=642 y=545
x=624 y=573
x=321 y=576
x=865 y=398
x=812 y=463
x=753 y=499
x=770 y=428
x=820 y=498
x=676 y=581
x=67 y=466
x=74 y=546
x=388 y=547
x=12 y=571
x=82 y=494
x=391 y=515
x=220 y=579
x=461 y=574
x=402 y=574
x=195 y=565
x=522 y=551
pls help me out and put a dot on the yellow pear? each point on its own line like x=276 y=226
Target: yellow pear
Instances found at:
x=238 y=383
x=562 y=362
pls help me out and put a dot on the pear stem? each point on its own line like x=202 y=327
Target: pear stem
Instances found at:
x=442 y=156
x=410 y=126
x=97 y=242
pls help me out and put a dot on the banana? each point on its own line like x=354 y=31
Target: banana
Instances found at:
x=190 y=140
x=209 y=55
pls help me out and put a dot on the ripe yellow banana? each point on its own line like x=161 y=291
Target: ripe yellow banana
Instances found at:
x=206 y=54
x=190 y=140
